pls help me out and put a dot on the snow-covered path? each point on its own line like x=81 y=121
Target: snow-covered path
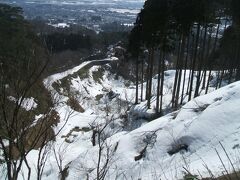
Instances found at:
x=53 y=78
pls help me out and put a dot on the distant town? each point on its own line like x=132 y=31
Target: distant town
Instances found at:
x=95 y=15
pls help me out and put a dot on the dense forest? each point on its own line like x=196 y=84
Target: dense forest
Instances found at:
x=72 y=45
x=202 y=36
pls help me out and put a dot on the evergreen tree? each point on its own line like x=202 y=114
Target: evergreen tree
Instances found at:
x=192 y=29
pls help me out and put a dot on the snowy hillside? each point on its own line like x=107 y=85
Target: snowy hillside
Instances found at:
x=102 y=132
x=186 y=138
x=119 y=90
x=197 y=128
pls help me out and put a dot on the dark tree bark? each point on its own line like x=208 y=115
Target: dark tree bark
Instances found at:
x=162 y=83
x=181 y=59
x=150 y=78
x=194 y=62
x=191 y=62
x=185 y=69
x=238 y=60
x=206 y=60
x=201 y=63
x=137 y=79
x=158 y=82
x=211 y=63
x=176 y=75
x=147 y=75
x=142 y=78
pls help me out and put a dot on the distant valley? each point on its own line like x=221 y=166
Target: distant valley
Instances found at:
x=91 y=14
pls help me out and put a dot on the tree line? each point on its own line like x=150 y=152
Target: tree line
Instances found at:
x=77 y=37
x=72 y=45
x=201 y=36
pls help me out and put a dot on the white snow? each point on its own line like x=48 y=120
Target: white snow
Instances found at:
x=59 y=25
x=48 y=81
x=123 y=11
x=26 y=103
x=200 y=124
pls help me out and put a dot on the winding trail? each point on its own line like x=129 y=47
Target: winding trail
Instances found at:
x=53 y=78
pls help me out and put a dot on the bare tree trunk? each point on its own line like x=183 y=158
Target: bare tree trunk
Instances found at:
x=194 y=62
x=213 y=51
x=158 y=82
x=136 y=98
x=147 y=75
x=150 y=79
x=191 y=62
x=206 y=61
x=176 y=75
x=99 y=157
x=94 y=137
x=238 y=61
x=181 y=58
x=142 y=77
x=185 y=69
x=201 y=63
x=162 y=83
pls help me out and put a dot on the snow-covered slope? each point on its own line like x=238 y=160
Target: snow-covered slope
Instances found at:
x=183 y=139
x=160 y=148
x=132 y=147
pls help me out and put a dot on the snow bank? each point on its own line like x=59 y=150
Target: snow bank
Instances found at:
x=198 y=126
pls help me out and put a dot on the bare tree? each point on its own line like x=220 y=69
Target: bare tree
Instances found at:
x=59 y=154
x=42 y=159
x=27 y=111
x=105 y=149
